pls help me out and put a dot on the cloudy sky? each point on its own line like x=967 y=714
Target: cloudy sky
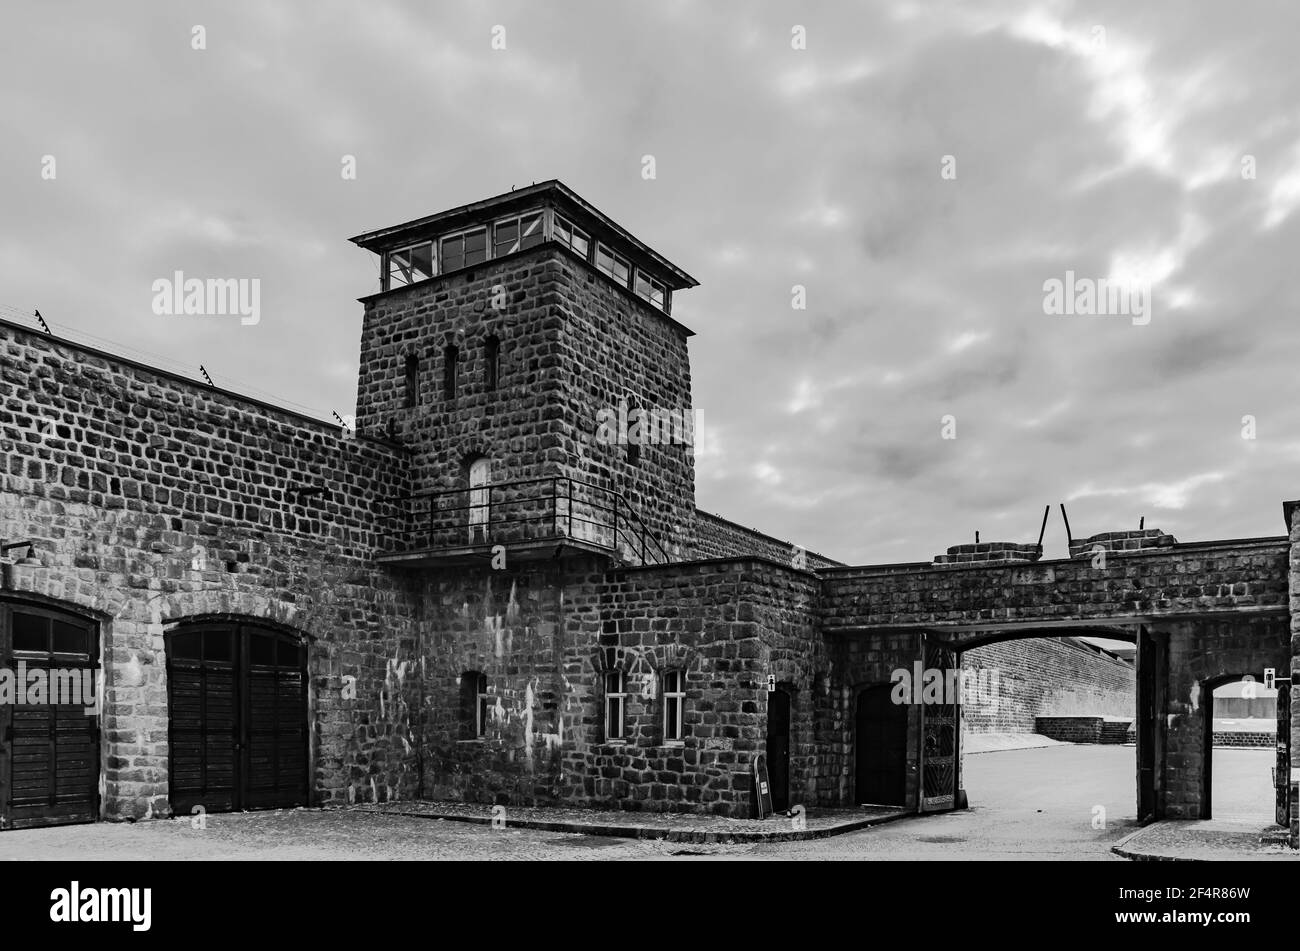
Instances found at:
x=921 y=169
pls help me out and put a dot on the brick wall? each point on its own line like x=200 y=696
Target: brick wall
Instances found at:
x=1045 y=676
x=155 y=499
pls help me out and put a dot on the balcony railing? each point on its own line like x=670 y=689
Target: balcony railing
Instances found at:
x=551 y=509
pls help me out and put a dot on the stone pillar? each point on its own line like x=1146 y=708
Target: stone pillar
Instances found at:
x=1293 y=587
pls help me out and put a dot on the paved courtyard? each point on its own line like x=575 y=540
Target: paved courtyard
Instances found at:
x=1059 y=802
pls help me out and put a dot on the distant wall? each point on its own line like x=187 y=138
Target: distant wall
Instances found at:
x=1044 y=676
x=718 y=538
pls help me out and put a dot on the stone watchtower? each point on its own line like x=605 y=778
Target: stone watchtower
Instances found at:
x=523 y=348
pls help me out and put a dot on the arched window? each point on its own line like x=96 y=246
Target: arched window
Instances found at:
x=492 y=362
x=450 y=357
x=412 y=379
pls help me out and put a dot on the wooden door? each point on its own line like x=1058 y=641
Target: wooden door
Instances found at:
x=238 y=718
x=939 y=726
x=1282 y=778
x=880 y=748
x=480 y=477
x=49 y=737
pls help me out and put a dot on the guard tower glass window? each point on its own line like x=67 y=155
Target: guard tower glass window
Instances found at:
x=408 y=265
x=464 y=250
x=674 y=682
x=648 y=288
x=575 y=239
x=516 y=234
x=613 y=265
x=615 y=703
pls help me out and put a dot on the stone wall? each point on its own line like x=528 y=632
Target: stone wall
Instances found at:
x=1084 y=729
x=545 y=637
x=716 y=537
x=1044 y=676
x=152 y=499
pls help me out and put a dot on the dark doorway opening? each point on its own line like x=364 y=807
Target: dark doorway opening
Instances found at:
x=881 y=748
x=1240 y=771
x=238 y=712
x=778 y=748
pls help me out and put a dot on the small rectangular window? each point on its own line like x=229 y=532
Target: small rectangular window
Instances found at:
x=648 y=288
x=408 y=265
x=615 y=704
x=516 y=234
x=464 y=250
x=674 y=683
x=572 y=238
x=31 y=632
x=612 y=264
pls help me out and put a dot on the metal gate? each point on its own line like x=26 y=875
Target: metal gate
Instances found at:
x=939 y=723
x=1282 y=775
x=238 y=718
x=49 y=717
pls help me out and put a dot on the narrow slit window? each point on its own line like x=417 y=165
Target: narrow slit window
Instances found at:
x=492 y=362
x=450 y=357
x=412 y=379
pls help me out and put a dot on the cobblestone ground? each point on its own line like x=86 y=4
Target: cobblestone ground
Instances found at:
x=1042 y=803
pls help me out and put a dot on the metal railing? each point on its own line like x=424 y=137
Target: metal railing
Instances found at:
x=551 y=508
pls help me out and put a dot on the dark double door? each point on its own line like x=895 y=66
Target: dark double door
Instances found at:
x=238 y=711
x=881 y=748
x=49 y=735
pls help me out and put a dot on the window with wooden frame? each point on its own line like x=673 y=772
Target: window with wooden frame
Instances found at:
x=614 y=265
x=463 y=250
x=474 y=704
x=674 y=697
x=517 y=234
x=410 y=264
x=615 y=705
x=575 y=239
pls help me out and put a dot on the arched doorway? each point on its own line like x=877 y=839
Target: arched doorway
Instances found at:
x=238 y=717
x=880 y=749
x=778 y=748
x=480 y=480
x=49 y=735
